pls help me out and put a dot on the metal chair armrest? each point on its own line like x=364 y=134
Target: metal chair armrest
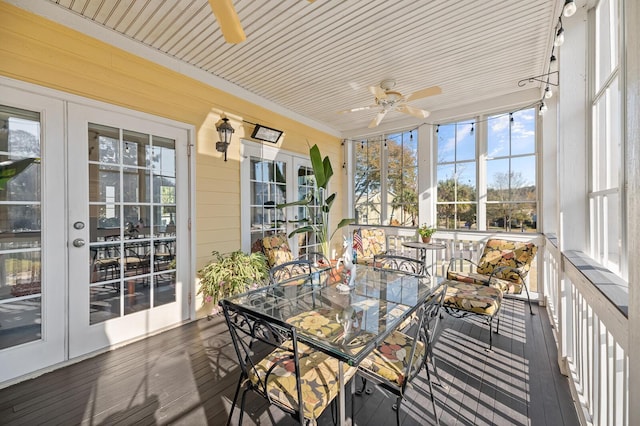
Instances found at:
x=500 y=269
x=454 y=259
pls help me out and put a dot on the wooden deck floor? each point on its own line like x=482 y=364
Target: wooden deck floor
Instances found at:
x=188 y=375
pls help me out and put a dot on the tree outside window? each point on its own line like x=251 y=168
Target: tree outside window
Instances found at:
x=511 y=172
x=456 y=172
x=389 y=195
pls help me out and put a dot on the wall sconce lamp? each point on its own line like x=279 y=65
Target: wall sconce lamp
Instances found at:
x=224 y=132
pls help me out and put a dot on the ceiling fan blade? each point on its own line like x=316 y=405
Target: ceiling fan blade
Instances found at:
x=416 y=112
x=424 y=93
x=378 y=92
x=344 y=111
x=228 y=20
x=378 y=119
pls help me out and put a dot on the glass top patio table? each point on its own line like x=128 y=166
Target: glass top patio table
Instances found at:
x=347 y=325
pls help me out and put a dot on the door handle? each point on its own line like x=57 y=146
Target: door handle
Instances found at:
x=78 y=242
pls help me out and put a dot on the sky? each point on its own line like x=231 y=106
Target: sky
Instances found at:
x=456 y=142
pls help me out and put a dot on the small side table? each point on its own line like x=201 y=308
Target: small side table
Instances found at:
x=422 y=252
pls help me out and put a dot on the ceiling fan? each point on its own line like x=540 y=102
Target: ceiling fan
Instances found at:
x=389 y=100
x=229 y=21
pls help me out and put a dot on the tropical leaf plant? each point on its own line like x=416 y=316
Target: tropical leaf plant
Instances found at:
x=318 y=204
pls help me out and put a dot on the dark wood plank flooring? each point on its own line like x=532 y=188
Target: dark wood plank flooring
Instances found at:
x=187 y=376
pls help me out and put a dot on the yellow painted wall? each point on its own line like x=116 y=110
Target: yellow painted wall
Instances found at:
x=42 y=52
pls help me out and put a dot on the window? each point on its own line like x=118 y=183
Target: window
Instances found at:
x=268 y=182
x=387 y=195
x=20 y=231
x=508 y=167
x=511 y=172
x=367 y=184
x=456 y=174
x=606 y=146
x=311 y=215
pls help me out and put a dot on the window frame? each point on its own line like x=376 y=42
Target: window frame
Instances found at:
x=385 y=204
x=605 y=182
x=481 y=160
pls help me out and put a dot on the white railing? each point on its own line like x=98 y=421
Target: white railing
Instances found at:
x=551 y=284
x=590 y=331
x=591 y=334
x=458 y=244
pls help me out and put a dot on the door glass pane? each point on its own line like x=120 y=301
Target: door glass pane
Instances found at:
x=20 y=233
x=133 y=231
x=306 y=189
x=268 y=186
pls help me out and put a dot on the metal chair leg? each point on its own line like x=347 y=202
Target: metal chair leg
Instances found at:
x=491 y=332
x=244 y=394
x=433 y=399
x=364 y=388
x=528 y=299
x=396 y=407
x=235 y=399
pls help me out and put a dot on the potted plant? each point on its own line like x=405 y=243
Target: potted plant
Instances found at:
x=318 y=204
x=229 y=274
x=426 y=232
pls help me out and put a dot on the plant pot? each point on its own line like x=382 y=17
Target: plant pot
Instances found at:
x=426 y=239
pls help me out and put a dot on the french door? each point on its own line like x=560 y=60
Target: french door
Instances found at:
x=94 y=238
x=270 y=177
x=127 y=226
x=32 y=238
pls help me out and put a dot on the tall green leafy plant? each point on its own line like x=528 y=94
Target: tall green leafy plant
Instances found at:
x=318 y=203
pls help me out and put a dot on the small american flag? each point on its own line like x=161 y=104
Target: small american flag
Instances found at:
x=357 y=241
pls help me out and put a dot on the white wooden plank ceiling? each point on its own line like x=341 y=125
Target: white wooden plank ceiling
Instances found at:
x=319 y=58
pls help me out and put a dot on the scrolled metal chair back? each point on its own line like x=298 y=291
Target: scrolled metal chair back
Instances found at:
x=399 y=263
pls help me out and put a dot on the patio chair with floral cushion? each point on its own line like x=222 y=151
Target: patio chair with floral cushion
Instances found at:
x=290 y=375
x=503 y=265
x=275 y=248
x=369 y=242
x=412 y=266
x=398 y=358
x=463 y=299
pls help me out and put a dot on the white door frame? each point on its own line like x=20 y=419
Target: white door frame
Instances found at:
x=19 y=360
x=83 y=337
x=33 y=358
x=249 y=149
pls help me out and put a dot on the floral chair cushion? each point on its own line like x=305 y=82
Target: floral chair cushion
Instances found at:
x=479 y=299
x=276 y=249
x=318 y=322
x=318 y=378
x=514 y=254
x=508 y=287
x=374 y=241
x=390 y=358
x=517 y=256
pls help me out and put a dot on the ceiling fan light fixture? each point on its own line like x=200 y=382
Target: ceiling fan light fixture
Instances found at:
x=388 y=100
